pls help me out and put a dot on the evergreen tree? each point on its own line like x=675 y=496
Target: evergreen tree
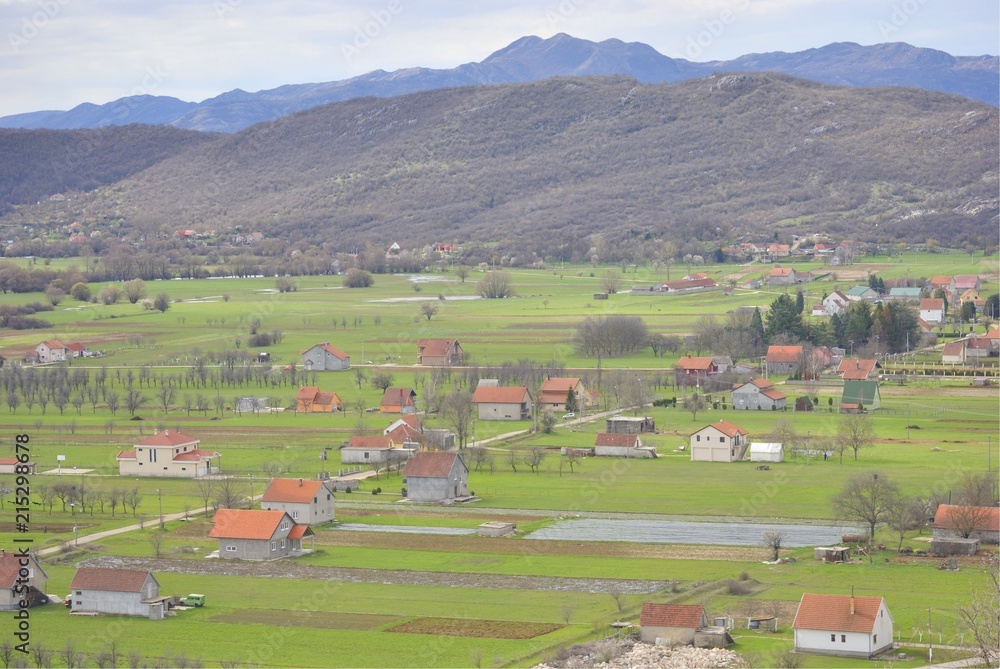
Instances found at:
x=800 y=301
x=784 y=318
x=992 y=307
x=757 y=326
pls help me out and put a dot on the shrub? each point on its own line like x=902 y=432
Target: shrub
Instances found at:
x=734 y=587
x=357 y=278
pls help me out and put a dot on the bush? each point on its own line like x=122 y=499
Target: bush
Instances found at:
x=357 y=278
x=162 y=302
x=734 y=587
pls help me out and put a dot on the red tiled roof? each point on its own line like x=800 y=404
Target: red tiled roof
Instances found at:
x=299 y=531
x=994 y=333
x=833 y=613
x=111 y=580
x=398 y=397
x=402 y=433
x=307 y=393
x=76 y=346
x=563 y=384
x=245 y=523
x=616 y=439
x=435 y=347
x=126 y=455
x=335 y=352
x=856 y=364
x=370 y=443
x=53 y=343
x=977 y=343
x=953 y=348
x=195 y=455
x=687 y=616
x=332 y=399
x=986 y=518
x=940 y=281
x=499 y=395
x=168 y=438
x=702 y=363
x=784 y=353
x=781 y=271
x=763 y=384
x=9 y=567
x=294 y=491
x=774 y=394
x=966 y=281
x=726 y=428
x=434 y=465
x=932 y=304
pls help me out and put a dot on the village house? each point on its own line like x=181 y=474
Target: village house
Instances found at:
x=862 y=294
x=555 y=391
x=51 y=350
x=781 y=276
x=10 y=466
x=323 y=357
x=671 y=624
x=683 y=286
x=942 y=281
x=836 y=303
x=629 y=424
x=436 y=477
x=904 y=293
x=502 y=403
x=695 y=368
x=977 y=348
x=859 y=369
x=783 y=359
x=123 y=592
x=383 y=450
x=407 y=428
x=758 y=394
x=439 y=352
x=312 y=400
x=974 y=297
x=168 y=454
x=307 y=502
x=15 y=587
x=719 y=442
x=621 y=445
x=932 y=309
x=954 y=353
x=256 y=534
x=843 y=625
x=978 y=522
x=398 y=400
x=963 y=282
x=860 y=394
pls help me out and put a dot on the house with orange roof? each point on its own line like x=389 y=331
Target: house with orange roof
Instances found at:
x=439 y=352
x=977 y=522
x=405 y=428
x=15 y=466
x=671 y=624
x=123 y=592
x=781 y=276
x=843 y=625
x=168 y=454
x=22 y=579
x=622 y=445
x=307 y=502
x=721 y=441
x=859 y=369
x=312 y=400
x=399 y=400
x=758 y=394
x=977 y=348
x=696 y=368
x=555 y=391
x=436 y=477
x=932 y=309
x=324 y=357
x=52 y=350
x=257 y=534
x=954 y=353
x=943 y=281
x=503 y=402
x=783 y=359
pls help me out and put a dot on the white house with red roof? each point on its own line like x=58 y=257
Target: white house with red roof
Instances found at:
x=843 y=625
x=721 y=441
x=123 y=592
x=555 y=391
x=836 y=303
x=436 y=477
x=932 y=309
x=758 y=394
x=252 y=534
x=323 y=357
x=52 y=350
x=10 y=466
x=17 y=586
x=696 y=367
x=380 y=450
x=307 y=502
x=622 y=445
x=503 y=402
x=671 y=624
x=168 y=454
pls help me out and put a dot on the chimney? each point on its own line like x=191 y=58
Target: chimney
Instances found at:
x=155 y=431
x=852 y=600
x=300 y=485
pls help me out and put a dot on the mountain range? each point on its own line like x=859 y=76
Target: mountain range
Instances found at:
x=532 y=59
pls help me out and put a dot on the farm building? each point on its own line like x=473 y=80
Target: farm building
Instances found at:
x=861 y=393
x=375 y=451
x=51 y=350
x=696 y=368
x=758 y=394
x=679 y=625
x=842 y=625
x=252 y=534
x=858 y=369
x=399 y=400
x=832 y=553
x=311 y=399
x=862 y=294
x=439 y=352
x=323 y=357
x=767 y=452
x=978 y=522
x=436 y=477
x=307 y=502
x=622 y=446
x=123 y=592
x=10 y=466
x=629 y=425
x=781 y=276
x=15 y=587
x=555 y=391
x=719 y=442
x=168 y=454
x=502 y=403
x=954 y=353
x=783 y=359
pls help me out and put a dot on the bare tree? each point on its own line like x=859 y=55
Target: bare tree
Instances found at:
x=42 y=656
x=462 y=272
x=567 y=613
x=476 y=457
x=617 y=594
x=428 y=310
x=611 y=281
x=70 y=656
x=134 y=400
x=134 y=290
x=981 y=616
x=534 y=458
x=495 y=285
x=111 y=398
x=856 y=432
x=772 y=539
x=571 y=458
x=205 y=488
x=6 y=652
x=967 y=521
x=156 y=541
x=905 y=514
x=512 y=459
x=977 y=489
x=132 y=498
x=867 y=498
x=784 y=432
x=459 y=410
x=166 y=394
x=230 y=493
x=694 y=404
x=382 y=380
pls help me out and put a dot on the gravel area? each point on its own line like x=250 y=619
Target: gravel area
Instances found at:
x=609 y=654
x=406 y=529
x=288 y=568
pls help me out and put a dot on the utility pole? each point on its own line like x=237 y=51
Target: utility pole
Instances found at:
x=930 y=639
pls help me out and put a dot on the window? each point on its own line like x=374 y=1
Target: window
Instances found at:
x=284 y=525
x=722 y=440
x=366 y=455
x=295 y=515
x=833 y=637
x=698 y=438
x=874 y=638
x=282 y=543
x=274 y=545
x=231 y=549
x=843 y=638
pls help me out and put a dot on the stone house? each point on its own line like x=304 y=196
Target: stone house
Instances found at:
x=758 y=394
x=783 y=359
x=257 y=534
x=439 y=352
x=307 y=502
x=323 y=357
x=977 y=522
x=51 y=350
x=436 y=477
x=671 y=624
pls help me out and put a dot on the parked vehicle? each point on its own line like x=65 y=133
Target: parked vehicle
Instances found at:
x=193 y=600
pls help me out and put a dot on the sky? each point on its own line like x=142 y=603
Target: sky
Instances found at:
x=55 y=54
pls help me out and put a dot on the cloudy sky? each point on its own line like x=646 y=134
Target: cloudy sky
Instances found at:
x=56 y=54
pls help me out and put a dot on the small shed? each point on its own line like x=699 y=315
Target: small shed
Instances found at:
x=954 y=546
x=767 y=452
x=832 y=553
x=496 y=528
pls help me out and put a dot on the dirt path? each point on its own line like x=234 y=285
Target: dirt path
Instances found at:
x=289 y=569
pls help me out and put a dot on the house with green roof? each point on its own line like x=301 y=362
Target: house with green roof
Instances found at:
x=861 y=394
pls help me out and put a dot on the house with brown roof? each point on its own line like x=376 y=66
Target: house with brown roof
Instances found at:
x=781 y=276
x=758 y=394
x=843 y=625
x=783 y=359
x=964 y=282
x=975 y=522
x=307 y=502
x=52 y=350
x=859 y=369
x=555 y=391
x=312 y=400
x=719 y=442
x=10 y=466
x=696 y=367
x=503 y=402
x=622 y=445
x=18 y=586
x=257 y=534
x=436 y=477
x=168 y=454
x=399 y=400
x=932 y=309
x=671 y=624
x=977 y=348
x=381 y=450
x=943 y=281
x=122 y=592
x=439 y=352
x=953 y=353
x=682 y=286
x=407 y=427
x=323 y=357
